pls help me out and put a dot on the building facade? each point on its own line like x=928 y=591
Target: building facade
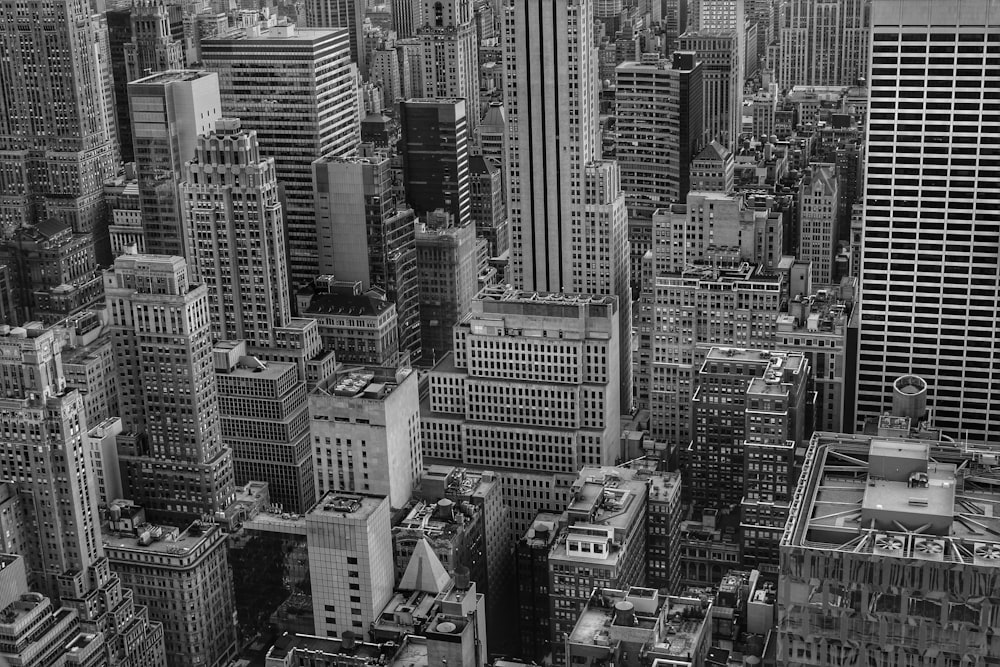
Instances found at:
x=235 y=227
x=906 y=219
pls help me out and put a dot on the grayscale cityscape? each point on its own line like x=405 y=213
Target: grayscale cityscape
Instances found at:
x=499 y=333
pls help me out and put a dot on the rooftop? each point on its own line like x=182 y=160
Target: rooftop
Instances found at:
x=356 y=305
x=506 y=293
x=159 y=539
x=898 y=497
x=339 y=504
x=172 y=76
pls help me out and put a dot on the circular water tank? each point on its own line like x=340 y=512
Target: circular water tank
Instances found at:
x=909 y=397
x=446 y=627
x=625 y=613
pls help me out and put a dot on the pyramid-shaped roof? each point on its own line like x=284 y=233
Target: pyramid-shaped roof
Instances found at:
x=424 y=572
x=713 y=151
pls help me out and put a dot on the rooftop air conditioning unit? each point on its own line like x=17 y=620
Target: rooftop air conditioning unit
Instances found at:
x=889 y=545
x=928 y=549
x=986 y=554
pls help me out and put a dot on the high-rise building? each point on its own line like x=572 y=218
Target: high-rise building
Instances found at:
x=822 y=42
x=175 y=108
x=119 y=22
x=602 y=546
x=484 y=406
x=488 y=206
x=175 y=463
x=658 y=121
x=900 y=536
x=406 y=17
x=724 y=16
x=365 y=235
x=722 y=83
x=435 y=151
x=532 y=563
x=314 y=113
x=819 y=205
x=350 y=561
x=57 y=122
x=446 y=275
x=695 y=310
x=157 y=43
x=187 y=565
x=237 y=239
x=359 y=327
x=561 y=196
x=264 y=415
x=50 y=513
x=713 y=169
x=450 y=54
x=345 y=14
x=365 y=428
x=910 y=300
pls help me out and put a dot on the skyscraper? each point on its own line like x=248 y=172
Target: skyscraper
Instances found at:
x=929 y=265
x=57 y=125
x=822 y=42
x=569 y=227
x=819 y=203
x=364 y=236
x=450 y=54
x=435 y=152
x=157 y=43
x=513 y=353
x=55 y=520
x=658 y=119
x=174 y=463
x=235 y=225
x=175 y=107
x=347 y=14
x=722 y=83
x=310 y=109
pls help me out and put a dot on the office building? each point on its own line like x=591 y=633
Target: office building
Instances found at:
x=435 y=152
x=366 y=235
x=264 y=417
x=176 y=107
x=49 y=513
x=119 y=22
x=157 y=39
x=365 y=428
x=175 y=463
x=602 y=546
x=182 y=576
x=513 y=351
x=713 y=169
x=819 y=213
x=488 y=205
x=906 y=221
x=346 y=15
x=532 y=568
x=822 y=324
x=406 y=17
x=903 y=530
x=52 y=270
x=317 y=114
x=822 y=42
x=237 y=239
x=449 y=55
x=446 y=275
x=350 y=562
x=452 y=531
x=57 y=123
x=658 y=121
x=481 y=490
x=617 y=623
x=559 y=191
x=709 y=306
x=722 y=82
x=123 y=211
x=358 y=327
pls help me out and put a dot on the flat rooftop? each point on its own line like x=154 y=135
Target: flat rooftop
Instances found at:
x=172 y=76
x=337 y=503
x=898 y=497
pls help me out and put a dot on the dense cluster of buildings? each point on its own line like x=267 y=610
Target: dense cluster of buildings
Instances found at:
x=495 y=333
